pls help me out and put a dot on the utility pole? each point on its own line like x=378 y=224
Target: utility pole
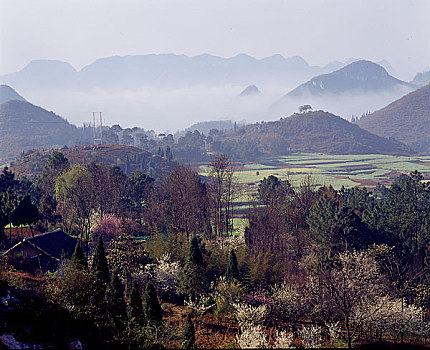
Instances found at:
x=97 y=141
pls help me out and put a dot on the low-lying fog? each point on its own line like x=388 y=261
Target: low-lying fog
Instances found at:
x=169 y=110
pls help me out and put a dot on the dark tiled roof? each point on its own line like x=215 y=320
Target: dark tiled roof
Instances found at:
x=54 y=243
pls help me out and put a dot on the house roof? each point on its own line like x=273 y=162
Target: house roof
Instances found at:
x=52 y=244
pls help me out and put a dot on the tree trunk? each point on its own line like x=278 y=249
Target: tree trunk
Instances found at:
x=348 y=332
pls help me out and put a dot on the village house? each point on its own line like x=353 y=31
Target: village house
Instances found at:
x=42 y=252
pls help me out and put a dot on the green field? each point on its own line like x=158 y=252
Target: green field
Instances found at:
x=336 y=170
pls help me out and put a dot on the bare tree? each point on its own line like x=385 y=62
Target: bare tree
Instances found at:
x=184 y=201
x=222 y=189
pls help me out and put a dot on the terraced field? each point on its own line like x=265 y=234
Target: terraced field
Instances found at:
x=336 y=170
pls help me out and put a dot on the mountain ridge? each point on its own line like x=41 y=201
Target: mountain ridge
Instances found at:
x=165 y=70
x=406 y=119
x=357 y=76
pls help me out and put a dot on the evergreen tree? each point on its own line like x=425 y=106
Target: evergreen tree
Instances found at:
x=100 y=266
x=232 y=271
x=134 y=307
x=127 y=166
x=192 y=279
x=116 y=307
x=194 y=254
x=169 y=154
x=151 y=306
x=188 y=338
x=25 y=213
x=78 y=260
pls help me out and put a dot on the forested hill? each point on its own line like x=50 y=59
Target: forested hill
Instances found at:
x=128 y=158
x=24 y=126
x=407 y=120
x=312 y=132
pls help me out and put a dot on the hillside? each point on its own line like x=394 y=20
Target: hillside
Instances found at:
x=7 y=94
x=318 y=131
x=407 y=120
x=128 y=158
x=206 y=126
x=24 y=126
x=357 y=76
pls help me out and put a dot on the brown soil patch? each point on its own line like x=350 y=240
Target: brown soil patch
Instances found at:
x=210 y=333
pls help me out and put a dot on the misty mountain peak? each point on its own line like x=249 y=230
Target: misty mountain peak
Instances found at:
x=243 y=57
x=250 y=91
x=364 y=70
x=274 y=59
x=357 y=76
x=49 y=66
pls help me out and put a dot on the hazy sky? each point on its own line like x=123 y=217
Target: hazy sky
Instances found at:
x=80 y=31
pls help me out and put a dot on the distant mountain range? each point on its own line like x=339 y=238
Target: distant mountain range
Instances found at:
x=155 y=91
x=407 y=120
x=167 y=70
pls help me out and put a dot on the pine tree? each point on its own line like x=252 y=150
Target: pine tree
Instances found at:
x=188 y=338
x=245 y=271
x=151 y=306
x=194 y=253
x=100 y=265
x=78 y=260
x=115 y=304
x=192 y=279
x=127 y=166
x=134 y=307
x=169 y=154
x=232 y=271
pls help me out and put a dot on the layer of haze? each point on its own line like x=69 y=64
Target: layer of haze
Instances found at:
x=320 y=31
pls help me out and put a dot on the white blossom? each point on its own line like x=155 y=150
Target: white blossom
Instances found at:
x=252 y=337
x=249 y=315
x=311 y=337
x=201 y=304
x=232 y=241
x=334 y=330
x=165 y=274
x=390 y=316
x=283 y=340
